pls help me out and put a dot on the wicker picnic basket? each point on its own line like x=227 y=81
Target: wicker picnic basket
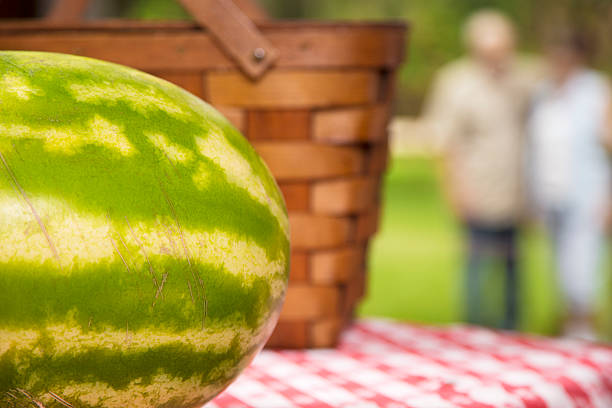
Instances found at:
x=313 y=98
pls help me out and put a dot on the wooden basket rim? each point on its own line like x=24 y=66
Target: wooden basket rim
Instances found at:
x=29 y=25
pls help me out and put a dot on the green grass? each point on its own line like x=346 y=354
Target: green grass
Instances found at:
x=416 y=260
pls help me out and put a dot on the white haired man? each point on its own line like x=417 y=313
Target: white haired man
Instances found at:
x=477 y=112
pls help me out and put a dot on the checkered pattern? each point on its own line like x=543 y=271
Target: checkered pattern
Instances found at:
x=391 y=365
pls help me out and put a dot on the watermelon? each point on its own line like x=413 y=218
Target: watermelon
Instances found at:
x=144 y=245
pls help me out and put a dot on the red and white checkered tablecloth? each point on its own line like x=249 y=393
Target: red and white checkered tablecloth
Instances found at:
x=393 y=365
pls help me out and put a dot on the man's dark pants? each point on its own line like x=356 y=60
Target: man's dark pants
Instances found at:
x=487 y=243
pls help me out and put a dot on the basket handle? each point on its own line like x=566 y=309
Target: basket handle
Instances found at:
x=236 y=34
x=229 y=25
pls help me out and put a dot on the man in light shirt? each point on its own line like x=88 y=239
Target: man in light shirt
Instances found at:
x=477 y=111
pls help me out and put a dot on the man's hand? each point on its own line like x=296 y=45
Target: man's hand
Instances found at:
x=608 y=130
x=451 y=190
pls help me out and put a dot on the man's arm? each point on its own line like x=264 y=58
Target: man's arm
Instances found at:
x=443 y=125
x=451 y=189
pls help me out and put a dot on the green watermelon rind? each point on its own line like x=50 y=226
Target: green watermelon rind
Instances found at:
x=145 y=243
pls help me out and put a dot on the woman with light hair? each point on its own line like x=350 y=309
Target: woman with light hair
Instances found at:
x=569 y=127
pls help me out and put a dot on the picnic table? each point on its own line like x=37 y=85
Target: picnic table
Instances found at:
x=391 y=365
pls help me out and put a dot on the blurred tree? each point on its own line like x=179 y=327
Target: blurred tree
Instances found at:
x=154 y=9
x=594 y=17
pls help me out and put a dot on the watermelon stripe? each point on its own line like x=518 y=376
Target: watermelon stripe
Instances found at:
x=163 y=392
x=98 y=131
x=142 y=101
x=239 y=171
x=70 y=230
x=119 y=368
x=63 y=339
x=18 y=86
x=173 y=152
x=96 y=296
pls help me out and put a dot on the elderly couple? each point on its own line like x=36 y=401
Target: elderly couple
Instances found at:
x=517 y=137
